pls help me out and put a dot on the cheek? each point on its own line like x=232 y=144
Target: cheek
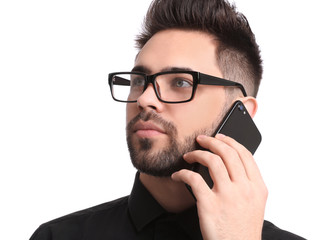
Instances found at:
x=199 y=114
x=131 y=112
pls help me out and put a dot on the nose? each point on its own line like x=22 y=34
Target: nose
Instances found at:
x=149 y=99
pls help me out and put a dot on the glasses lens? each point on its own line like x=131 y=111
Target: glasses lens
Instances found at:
x=175 y=87
x=127 y=87
x=170 y=87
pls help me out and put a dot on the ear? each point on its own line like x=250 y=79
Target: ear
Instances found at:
x=251 y=105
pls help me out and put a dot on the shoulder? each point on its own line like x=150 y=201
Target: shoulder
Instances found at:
x=271 y=232
x=73 y=224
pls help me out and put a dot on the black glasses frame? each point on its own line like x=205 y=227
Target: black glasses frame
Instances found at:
x=198 y=78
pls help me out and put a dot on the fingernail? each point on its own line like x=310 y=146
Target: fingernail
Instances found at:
x=201 y=137
x=174 y=176
x=220 y=136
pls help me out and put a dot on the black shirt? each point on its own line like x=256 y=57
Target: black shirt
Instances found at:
x=137 y=216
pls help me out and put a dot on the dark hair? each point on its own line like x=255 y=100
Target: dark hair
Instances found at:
x=237 y=53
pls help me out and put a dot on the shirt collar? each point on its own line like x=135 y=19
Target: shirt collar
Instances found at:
x=144 y=209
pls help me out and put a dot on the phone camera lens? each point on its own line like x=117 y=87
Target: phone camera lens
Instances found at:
x=241 y=108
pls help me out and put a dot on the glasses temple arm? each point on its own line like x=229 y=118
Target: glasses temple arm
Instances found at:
x=211 y=80
x=121 y=81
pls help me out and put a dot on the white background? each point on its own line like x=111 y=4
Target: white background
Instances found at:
x=62 y=138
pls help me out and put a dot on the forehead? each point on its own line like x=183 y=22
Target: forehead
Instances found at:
x=178 y=48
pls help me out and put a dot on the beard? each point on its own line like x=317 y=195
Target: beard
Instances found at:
x=168 y=159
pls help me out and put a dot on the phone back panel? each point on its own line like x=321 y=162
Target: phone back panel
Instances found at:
x=239 y=125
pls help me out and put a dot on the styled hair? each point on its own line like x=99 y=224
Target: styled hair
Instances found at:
x=237 y=53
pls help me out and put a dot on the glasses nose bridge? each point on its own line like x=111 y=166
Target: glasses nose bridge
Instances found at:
x=149 y=79
x=152 y=79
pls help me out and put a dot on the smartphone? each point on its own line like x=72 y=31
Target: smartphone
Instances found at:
x=238 y=125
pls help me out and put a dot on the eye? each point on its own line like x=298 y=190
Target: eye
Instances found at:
x=138 y=82
x=181 y=83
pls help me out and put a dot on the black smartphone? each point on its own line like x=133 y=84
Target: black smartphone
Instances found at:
x=238 y=125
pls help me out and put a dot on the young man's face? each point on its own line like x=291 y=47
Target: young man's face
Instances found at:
x=158 y=134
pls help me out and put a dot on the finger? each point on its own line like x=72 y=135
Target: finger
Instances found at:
x=213 y=162
x=248 y=161
x=228 y=154
x=198 y=186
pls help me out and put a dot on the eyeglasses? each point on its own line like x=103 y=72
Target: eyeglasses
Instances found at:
x=170 y=87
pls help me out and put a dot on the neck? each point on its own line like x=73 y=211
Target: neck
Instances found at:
x=173 y=196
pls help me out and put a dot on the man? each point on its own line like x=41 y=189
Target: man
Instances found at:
x=171 y=114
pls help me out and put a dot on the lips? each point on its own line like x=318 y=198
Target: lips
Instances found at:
x=147 y=129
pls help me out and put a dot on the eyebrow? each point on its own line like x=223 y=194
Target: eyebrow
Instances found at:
x=141 y=69
x=146 y=70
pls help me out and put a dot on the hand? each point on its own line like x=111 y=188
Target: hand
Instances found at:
x=234 y=207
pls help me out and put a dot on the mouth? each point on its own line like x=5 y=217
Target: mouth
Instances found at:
x=147 y=130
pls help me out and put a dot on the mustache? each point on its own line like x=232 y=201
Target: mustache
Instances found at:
x=144 y=116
